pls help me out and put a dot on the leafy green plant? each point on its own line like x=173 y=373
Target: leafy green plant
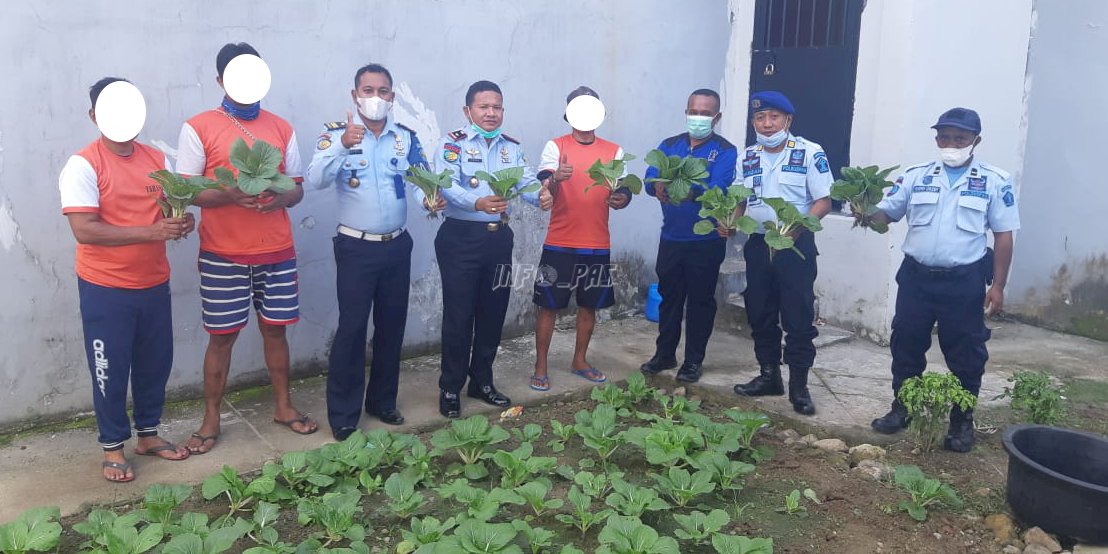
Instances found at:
x=700 y=527
x=430 y=183
x=258 y=169
x=924 y=492
x=682 y=486
x=596 y=485
x=161 y=500
x=479 y=504
x=404 y=500
x=632 y=500
x=335 y=512
x=720 y=204
x=674 y=408
x=562 y=432
x=629 y=535
x=179 y=191
x=863 y=188
x=239 y=494
x=207 y=541
x=503 y=184
x=478 y=537
x=419 y=464
x=528 y=433
x=263 y=533
x=112 y=534
x=534 y=493
x=719 y=437
x=666 y=443
x=789 y=221
x=424 y=534
x=637 y=388
x=738 y=544
x=598 y=430
x=33 y=531
x=792 y=506
x=611 y=175
x=929 y=399
x=613 y=396
x=519 y=465
x=471 y=438
x=727 y=474
x=389 y=449
x=537 y=537
x=583 y=517
x=678 y=175
x=1036 y=398
x=749 y=423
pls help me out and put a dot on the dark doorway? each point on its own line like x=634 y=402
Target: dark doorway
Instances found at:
x=808 y=49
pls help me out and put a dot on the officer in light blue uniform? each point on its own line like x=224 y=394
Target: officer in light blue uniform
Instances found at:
x=365 y=158
x=779 y=292
x=950 y=207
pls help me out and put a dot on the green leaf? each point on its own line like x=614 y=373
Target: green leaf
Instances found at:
x=704 y=227
x=188 y=543
x=737 y=544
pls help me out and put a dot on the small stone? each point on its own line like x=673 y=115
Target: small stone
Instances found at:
x=788 y=434
x=1002 y=526
x=679 y=391
x=1011 y=550
x=1037 y=549
x=938 y=536
x=831 y=445
x=1036 y=536
x=983 y=492
x=866 y=452
x=663 y=391
x=809 y=439
x=838 y=461
x=878 y=471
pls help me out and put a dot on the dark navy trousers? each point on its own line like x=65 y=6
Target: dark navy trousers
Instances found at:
x=370 y=277
x=128 y=338
x=779 y=296
x=687 y=275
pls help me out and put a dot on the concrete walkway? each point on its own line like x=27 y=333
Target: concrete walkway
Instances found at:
x=850 y=387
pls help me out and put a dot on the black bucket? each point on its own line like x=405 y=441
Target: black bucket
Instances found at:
x=1058 y=480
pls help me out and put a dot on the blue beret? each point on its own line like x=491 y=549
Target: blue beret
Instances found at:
x=771 y=100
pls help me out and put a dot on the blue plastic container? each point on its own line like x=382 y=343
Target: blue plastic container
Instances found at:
x=653 y=301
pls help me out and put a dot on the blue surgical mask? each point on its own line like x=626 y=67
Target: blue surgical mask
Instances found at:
x=774 y=140
x=487 y=134
x=699 y=126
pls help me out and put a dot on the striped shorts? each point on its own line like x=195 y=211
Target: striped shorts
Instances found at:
x=227 y=289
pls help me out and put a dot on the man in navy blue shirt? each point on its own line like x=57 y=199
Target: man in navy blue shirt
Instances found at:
x=688 y=264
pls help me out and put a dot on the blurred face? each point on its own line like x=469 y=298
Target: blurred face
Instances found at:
x=768 y=122
x=486 y=111
x=373 y=84
x=953 y=137
x=703 y=105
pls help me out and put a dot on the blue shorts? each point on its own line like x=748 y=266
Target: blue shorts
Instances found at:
x=228 y=289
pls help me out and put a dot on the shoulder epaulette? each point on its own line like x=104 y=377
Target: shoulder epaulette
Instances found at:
x=917 y=166
x=335 y=125
x=1003 y=174
x=456 y=135
x=406 y=128
x=509 y=139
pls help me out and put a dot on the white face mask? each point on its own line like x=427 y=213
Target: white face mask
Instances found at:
x=955 y=157
x=774 y=140
x=374 y=108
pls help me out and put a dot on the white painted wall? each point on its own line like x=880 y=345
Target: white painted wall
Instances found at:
x=643 y=57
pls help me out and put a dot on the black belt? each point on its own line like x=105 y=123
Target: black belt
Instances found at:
x=489 y=226
x=954 y=271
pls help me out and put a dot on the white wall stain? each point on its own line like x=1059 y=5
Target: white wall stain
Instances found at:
x=9 y=229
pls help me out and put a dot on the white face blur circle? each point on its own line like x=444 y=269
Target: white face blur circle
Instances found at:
x=246 y=79
x=120 y=111
x=585 y=113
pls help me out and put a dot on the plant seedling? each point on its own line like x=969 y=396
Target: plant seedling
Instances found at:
x=430 y=183
x=1036 y=398
x=611 y=175
x=700 y=527
x=534 y=493
x=924 y=492
x=179 y=191
x=682 y=486
x=678 y=175
x=629 y=535
x=863 y=188
x=424 y=534
x=792 y=505
x=632 y=500
x=503 y=184
x=582 y=517
x=257 y=167
x=929 y=399
x=35 y=531
x=720 y=204
x=738 y=544
x=789 y=220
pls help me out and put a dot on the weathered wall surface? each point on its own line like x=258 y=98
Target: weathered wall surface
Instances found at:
x=642 y=56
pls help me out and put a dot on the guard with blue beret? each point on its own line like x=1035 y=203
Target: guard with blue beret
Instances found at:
x=474 y=247
x=779 y=293
x=949 y=275
x=366 y=160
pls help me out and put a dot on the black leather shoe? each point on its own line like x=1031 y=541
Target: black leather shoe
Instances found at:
x=342 y=433
x=449 y=405
x=390 y=417
x=657 y=365
x=960 y=437
x=767 y=383
x=490 y=395
x=798 y=392
x=892 y=422
x=689 y=373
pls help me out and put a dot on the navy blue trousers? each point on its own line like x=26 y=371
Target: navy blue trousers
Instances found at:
x=476 y=267
x=370 y=277
x=687 y=275
x=128 y=338
x=779 y=296
x=953 y=298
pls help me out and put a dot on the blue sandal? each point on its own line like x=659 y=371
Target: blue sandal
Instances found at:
x=541 y=384
x=591 y=374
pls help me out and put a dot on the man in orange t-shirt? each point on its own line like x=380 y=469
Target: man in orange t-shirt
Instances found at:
x=576 y=252
x=246 y=250
x=111 y=203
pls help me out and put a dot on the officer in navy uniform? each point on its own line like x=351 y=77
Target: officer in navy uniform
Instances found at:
x=373 y=251
x=474 y=247
x=779 y=292
x=950 y=206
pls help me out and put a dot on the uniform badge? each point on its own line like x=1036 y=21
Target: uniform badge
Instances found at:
x=893 y=190
x=927 y=179
x=756 y=103
x=796 y=157
x=324 y=141
x=821 y=162
x=791 y=144
x=473 y=182
x=399 y=146
x=450 y=152
x=712 y=155
x=472 y=152
x=504 y=155
x=1009 y=199
x=976 y=183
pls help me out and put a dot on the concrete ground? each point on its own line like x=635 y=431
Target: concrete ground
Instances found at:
x=850 y=386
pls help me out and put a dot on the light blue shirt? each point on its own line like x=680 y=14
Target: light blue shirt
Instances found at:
x=800 y=174
x=465 y=154
x=369 y=177
x=948 y=222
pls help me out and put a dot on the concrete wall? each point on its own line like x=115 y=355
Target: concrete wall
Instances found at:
x=1061 y=266
x=643 y=57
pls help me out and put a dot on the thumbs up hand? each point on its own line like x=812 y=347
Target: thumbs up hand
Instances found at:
x=354 y=132
x=546 y=198
x=565 y=170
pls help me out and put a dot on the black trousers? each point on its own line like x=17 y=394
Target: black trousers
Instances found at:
x=370 y=276
x=954 y=298
x=476 y=267
x=687 y=275
x=779 y=296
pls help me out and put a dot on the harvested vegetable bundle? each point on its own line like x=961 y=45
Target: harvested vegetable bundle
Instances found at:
x=610 y=175
x=179 y=191
x=720 y=204
x=257 y=167
x=677 y=175
x=863 y=188
x=503 y=184
x=430 y=183
x=789 y=220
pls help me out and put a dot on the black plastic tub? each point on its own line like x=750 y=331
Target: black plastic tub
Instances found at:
x=1058 y=480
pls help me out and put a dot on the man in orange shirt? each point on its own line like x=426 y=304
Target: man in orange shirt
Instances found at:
x=246 y=250
x=123 y=282
x=575 y=254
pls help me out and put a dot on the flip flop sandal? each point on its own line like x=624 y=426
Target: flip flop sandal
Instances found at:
x=203 y=440
x=302 y=420
x=590 y=374
x=123 y=468
x=541 y=384
x=167 y=447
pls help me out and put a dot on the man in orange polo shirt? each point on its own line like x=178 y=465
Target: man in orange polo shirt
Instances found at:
x=575 y=254
x=111 y=203
x=246 y=251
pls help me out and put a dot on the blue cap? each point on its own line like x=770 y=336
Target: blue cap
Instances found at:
x=770 y=100
x=961 y=118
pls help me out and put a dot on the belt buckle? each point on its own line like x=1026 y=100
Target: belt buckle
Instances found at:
x=386 y=238
x=493 y=227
